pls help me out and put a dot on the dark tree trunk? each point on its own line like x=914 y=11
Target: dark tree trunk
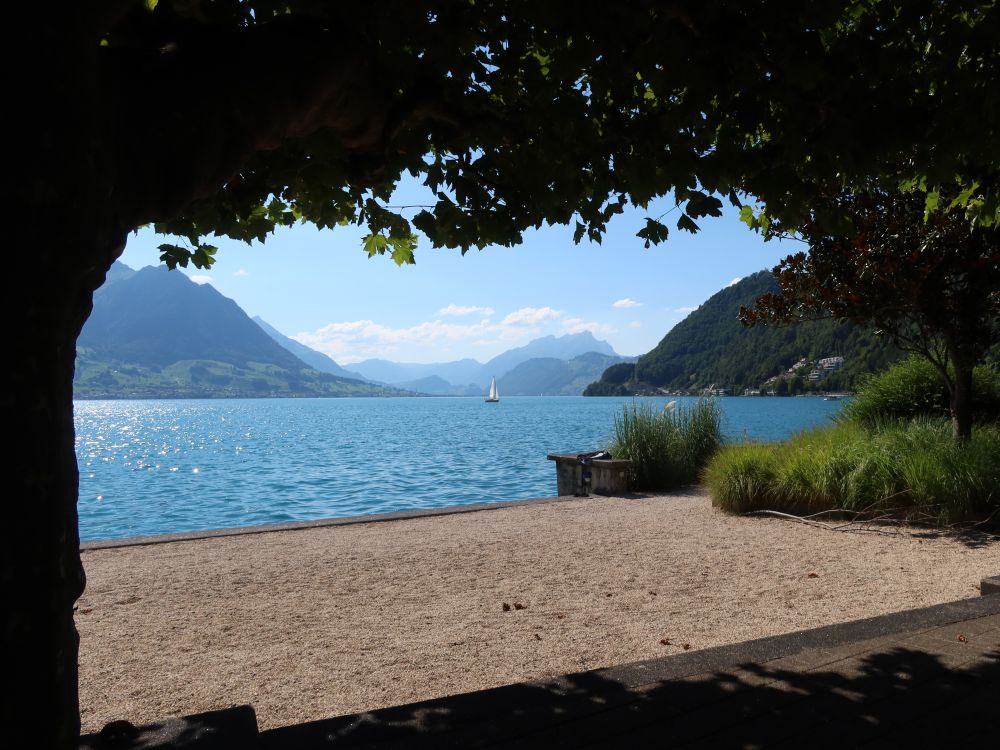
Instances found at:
x=63 y=233
x=98 y=144
x=46 y=303
x=961 y=396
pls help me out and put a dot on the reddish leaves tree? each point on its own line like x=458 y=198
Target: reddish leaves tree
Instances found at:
x=932 y=283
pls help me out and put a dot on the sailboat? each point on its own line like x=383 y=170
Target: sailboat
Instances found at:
x=494 y=393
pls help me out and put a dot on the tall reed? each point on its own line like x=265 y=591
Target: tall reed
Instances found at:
x=668 y=449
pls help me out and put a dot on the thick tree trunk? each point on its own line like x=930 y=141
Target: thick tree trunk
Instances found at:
x=101 y=142
x=961 y=399
x=64 y=233
x=45 y=305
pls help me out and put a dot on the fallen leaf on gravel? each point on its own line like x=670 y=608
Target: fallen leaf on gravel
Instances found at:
x=518 y=605
x=506 y=607
x=814 y=575
x=962 y=638
x=664 y=641
x=686 y=646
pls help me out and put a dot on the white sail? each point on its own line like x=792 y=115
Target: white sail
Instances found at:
x=494 y=391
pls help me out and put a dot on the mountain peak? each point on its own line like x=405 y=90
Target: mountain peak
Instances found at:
x=156 y=333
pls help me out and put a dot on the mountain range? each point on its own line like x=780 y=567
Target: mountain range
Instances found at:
x=710 y=348
x=157 y=334
x=470 y=377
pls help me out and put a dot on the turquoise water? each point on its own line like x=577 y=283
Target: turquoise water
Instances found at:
x=154 y=467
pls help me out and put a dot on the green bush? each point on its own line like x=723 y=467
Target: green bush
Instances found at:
x=913 y=388
x=906 y=469
x=742 y=477
x=667 y=449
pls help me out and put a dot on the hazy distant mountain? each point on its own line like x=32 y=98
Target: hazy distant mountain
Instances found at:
x=458 y=372
x=316 y=360
x=468 y=372
x=551 y=347
x=547 y=376
x=117 y=272
x=435 y=386
x=155 y=333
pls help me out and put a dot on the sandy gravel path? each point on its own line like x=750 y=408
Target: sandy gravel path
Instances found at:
x=314 y=623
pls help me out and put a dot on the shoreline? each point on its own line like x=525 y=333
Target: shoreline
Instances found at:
x=309 y=623
x=318 y=523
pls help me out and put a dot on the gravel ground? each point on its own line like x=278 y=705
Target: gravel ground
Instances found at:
x=314 y=623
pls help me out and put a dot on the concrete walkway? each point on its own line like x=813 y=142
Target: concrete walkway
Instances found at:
x=922 y=678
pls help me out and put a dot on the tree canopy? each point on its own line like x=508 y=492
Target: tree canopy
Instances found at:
x=234 y=117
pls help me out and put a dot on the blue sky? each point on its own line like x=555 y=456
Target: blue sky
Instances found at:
x=321 y=288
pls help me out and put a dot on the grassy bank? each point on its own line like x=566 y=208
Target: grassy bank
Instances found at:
x=891 y=452
x=910 y=469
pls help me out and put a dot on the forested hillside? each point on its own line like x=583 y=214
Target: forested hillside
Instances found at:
x=712 y=348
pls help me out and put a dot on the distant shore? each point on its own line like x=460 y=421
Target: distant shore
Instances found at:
x=311 y=623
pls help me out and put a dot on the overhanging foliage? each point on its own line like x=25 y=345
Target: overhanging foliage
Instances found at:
x=516 y=114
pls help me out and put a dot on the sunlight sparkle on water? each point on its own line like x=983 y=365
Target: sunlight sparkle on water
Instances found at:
x=272 y=460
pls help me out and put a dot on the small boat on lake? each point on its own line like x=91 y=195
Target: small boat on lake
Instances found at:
x=494 y=393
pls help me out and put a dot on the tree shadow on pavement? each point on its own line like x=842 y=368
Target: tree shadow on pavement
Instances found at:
x=897 y=697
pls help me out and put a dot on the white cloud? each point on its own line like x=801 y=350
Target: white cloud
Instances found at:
x=635 y=324
x=242 y=272
x=627 y=303
x=579 y=325
x=530 y=316
x=454 y=309
x=735 y=281
x=200 y=279
x=355 y=340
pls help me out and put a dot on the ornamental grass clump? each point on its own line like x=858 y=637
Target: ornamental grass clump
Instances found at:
x=891 y=453
x=669 y=448
x=905 y=470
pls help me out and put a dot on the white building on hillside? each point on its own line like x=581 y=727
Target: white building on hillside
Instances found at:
x=831 y=363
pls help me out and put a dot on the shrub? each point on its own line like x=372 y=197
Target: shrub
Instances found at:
x=667 y=449
x=742 y=477
x=910 y=469
x=913 y=388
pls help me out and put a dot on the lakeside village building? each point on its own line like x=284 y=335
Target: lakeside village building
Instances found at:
x=824 y=367
x=820 y=372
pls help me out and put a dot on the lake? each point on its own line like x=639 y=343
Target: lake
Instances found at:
x=154 y=467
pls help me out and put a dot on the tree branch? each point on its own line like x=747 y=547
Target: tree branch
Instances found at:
x=183 y=117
